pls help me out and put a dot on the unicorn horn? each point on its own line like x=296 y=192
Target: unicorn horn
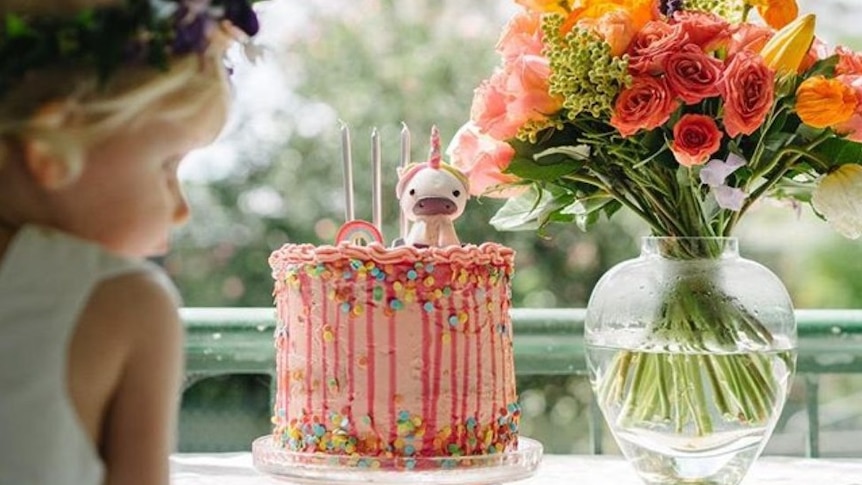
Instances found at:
x=434 y=158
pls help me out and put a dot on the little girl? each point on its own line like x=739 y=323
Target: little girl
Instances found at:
x=96 y=112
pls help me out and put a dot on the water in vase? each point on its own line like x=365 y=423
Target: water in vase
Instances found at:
x=690 y=418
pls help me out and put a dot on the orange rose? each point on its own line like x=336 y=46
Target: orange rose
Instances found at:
x=747 y=88
x=695 y=138
x=822 y=102
x=692 y=75
x=615 y=27
x=707 y=30
x=646 y=104
x=653 y=44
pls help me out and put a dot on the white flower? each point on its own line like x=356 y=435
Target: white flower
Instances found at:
x=714 y=174
x=838 y=198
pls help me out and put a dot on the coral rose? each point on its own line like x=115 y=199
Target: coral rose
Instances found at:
x=852 y=128
x=521 y=35
x=707 y=30
x=749 y=37
x=695 y=139
x=653 y=44
x=822 y=102
x=646 y=104
x=483 y=160
x=692 y=75
x=747 y=88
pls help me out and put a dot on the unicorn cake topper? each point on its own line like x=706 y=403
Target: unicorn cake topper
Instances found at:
x=432 y=195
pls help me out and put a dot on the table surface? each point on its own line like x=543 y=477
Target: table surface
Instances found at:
x=237 y=469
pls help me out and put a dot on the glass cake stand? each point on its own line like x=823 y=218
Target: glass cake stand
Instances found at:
x=314 y=468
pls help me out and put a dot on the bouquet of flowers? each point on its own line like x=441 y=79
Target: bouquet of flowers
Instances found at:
x=685 y=112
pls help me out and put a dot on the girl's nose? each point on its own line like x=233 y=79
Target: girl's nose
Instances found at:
x=181 y=209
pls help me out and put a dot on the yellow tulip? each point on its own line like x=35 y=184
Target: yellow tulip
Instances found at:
x=787 y=48
x=822 y=102
x=837 y=199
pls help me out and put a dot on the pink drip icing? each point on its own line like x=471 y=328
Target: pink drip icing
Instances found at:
x=476 y=322
x=504 y=350
x=351 y=366
x=427 y=439
x=369 y=325
x=323 y=361
x=304 y=282
x=490 y=329
x=393 y=366
x=336 y=352
x=437 y=342
x=453 y=371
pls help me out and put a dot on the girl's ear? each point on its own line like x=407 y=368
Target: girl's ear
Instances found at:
x=48 y=170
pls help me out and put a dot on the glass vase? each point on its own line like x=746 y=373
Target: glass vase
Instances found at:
x=691 y=349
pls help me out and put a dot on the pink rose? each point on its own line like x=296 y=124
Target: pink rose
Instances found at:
x=515 y=94
x=695 y=139
x=707 y=30
x=652 y=44
x=692 y=75
x=852 y=128
x=818 y=50
x=489 y=107
x=483 y=159
x=646 y=104
x=521 y=35
x=747 y=89
x=849 y=62
x=749 y=37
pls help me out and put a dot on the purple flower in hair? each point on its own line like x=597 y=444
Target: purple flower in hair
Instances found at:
x=240 y=13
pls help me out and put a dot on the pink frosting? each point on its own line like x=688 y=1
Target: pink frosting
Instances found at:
x=394 y=351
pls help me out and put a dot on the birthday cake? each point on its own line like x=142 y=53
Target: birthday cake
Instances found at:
x=399 y=351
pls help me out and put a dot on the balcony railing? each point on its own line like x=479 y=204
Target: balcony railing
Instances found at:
x=547 y=342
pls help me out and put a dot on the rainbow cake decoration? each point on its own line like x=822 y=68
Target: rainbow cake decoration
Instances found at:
x=401 y=351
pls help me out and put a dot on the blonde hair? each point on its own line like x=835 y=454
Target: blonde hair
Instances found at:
x=64 y=111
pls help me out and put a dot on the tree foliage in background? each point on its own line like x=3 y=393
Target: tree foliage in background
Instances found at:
x=413 y=61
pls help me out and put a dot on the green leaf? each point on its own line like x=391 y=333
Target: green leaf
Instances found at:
x=587 y=210
x=527 y=168
x=528 y=211
x=839 y=151
x=823 y=67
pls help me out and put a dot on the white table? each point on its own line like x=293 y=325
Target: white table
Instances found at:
x=237 y=469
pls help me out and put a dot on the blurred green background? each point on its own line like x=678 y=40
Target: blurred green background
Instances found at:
x=274 y=177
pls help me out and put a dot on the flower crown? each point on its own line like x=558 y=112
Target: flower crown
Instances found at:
x=145 y=32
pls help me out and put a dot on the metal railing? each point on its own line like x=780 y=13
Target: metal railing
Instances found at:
x=547 y=342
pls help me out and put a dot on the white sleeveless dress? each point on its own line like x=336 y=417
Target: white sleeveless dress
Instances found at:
x=46 y=278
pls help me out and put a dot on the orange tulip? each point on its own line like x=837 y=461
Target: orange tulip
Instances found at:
x=549 y=6
x=776 y=13
x=822 y=102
